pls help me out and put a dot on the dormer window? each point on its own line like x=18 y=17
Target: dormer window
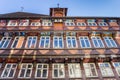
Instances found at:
x=12 y=23
x=46 y=22
x=58 y=20
x=69 y=22
x=91 y=22
x=113 y=20
x=24 y=22
x=2 y=22
x=102 y=24
x=35 y=23
x=81 y=24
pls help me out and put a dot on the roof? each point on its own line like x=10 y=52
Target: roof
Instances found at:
x=35 y=15
x=21 y=15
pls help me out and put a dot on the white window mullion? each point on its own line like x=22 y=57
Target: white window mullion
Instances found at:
x=58 y=67
x=58 y=42
x=9 y=69
x=113 y=43
x=71 y=39
x=86 y=42
x=109 y=43
x=42 y=71
x=99 y=43
x=106 y=69
x=58 y=39
x=44 y=42
x=6 y=41
x=14 y=42
x=117 y=67
x=42 y=68
x=25 y=71
x=106 y=39
x=25 y=68
x=32 y=40
x=88 y=70
x=74 y=70
x=71 y=42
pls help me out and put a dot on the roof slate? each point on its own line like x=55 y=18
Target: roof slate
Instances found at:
x=21 y=15
x=35 y=15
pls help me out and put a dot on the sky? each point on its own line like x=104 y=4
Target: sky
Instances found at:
x=75 y=7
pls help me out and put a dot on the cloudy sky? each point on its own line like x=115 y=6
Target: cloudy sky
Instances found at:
x=75 y=7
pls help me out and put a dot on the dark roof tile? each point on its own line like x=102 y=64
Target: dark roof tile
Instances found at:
x=21 y=15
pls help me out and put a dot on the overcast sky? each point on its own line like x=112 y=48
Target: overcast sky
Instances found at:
x=75 y=7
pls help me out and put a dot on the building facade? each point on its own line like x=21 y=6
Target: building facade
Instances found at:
x=59 y=47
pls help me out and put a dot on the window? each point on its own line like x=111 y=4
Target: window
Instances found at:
x=31 y=42
x=20 y=34
x=24 y=22
x=45 y=42
x=25 y=70
x=5 y=42
x=9 y=70
x=113 y=20
x=71 y=42
x=117 y=67
x=91 y=22
x=18 y=41
x=46 y=23
x=69 y=23
x=110 y=42
x=41 y=71
x=58 y=20
x=70 y=33
x=74 y=70
x=35 y=23
x=2 y=22
x=81 y=24
x=12 y=23
x=105 y=69
x=103 y=24
x=0 y=65
x=90 y=70
x=84 y=42
x=58 y=42
x=97 y=42
x=58 y=71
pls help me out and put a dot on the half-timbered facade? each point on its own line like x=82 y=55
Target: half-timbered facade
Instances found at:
x=59 y=47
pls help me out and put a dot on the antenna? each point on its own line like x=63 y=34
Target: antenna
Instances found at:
x=22 y=8
x=58 y=5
